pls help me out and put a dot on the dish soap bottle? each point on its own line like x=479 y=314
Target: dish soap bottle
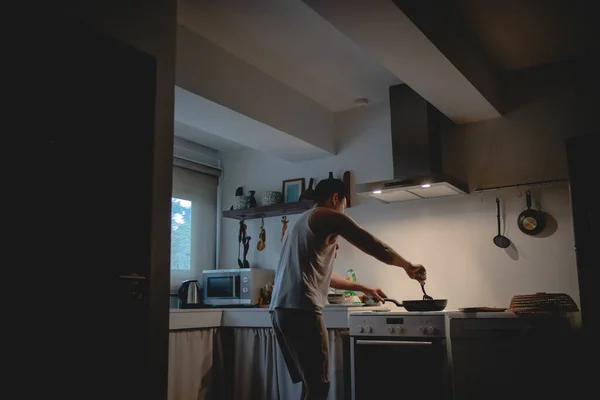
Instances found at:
x=351 y=296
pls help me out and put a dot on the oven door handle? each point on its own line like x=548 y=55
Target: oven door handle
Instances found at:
x=392 y=343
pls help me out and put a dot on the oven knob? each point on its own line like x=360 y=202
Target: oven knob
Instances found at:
x=361 y=329
x=369 y=329
x=422 y=329
x=390 y=329
x=245 y=279
x=430 y=330
x=399 y=329
x=245 y=290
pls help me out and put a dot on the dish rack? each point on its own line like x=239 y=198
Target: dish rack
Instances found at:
x=543 y=302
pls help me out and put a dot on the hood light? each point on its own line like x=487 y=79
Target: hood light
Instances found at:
x=376 y=191
x=426 y=185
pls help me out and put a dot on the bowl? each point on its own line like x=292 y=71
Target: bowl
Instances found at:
x=270 y=198
x=335 y=298
x=241 y=202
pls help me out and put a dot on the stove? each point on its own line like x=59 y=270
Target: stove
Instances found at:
x=398 y=324
x=404 y=353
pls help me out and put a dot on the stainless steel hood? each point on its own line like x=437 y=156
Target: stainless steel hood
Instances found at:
x=417 y=129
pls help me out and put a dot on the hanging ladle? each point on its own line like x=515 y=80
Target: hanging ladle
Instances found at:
x=499 y=240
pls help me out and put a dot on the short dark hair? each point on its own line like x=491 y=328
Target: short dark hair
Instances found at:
x=327 y=188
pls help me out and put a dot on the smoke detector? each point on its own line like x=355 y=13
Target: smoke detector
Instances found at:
x=361 y=102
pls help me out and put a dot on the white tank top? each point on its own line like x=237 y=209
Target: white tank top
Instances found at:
x=304 y=272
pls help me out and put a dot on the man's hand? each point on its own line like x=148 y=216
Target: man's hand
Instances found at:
x=416 y=272
x=374 y=292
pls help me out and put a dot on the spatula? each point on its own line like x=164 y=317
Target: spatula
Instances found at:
x=425 y=295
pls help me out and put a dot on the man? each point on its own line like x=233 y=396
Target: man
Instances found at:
x=304 y=276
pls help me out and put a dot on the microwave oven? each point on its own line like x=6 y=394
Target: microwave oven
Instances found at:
x=230 y=287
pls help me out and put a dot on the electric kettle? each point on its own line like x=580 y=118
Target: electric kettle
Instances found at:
x=190 y=295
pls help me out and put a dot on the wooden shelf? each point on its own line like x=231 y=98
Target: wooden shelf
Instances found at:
x=269 y=211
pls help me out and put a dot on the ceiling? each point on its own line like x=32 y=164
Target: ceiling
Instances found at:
x=293 y=44
x=292 y=66
x=519 y=34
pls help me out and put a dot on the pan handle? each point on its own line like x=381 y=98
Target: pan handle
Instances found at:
x=394 y=301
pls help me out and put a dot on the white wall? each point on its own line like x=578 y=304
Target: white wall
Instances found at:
x=366 y=134
x=452 y=237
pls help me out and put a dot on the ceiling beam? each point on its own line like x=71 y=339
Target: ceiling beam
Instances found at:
x=212 y=73
x=208 y=116
x=383 y=30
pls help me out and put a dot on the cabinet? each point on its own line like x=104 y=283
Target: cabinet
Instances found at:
x=251 y=367
x=519 y=359
x=191 y=359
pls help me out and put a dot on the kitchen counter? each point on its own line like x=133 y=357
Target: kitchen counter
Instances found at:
x=334 y=317
x=448 y=313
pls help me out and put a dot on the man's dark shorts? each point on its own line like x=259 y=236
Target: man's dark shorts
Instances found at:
x=303 y=341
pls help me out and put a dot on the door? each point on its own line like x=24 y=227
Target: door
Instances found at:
x=581 y=153
x=102 y=326
x=583 y=164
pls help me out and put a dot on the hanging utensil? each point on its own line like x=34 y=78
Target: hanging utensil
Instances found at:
x=284 y=221
x=240 y=234
x=262 y=236
x=246 y=248
x=531 y=221
x=499 y=240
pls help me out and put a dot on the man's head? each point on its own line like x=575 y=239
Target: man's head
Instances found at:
x=331 y=193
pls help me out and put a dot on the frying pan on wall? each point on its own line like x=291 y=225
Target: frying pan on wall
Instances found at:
x=531 y=221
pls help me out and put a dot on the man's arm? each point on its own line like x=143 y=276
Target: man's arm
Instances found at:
x=338 y=282
x=328 y=222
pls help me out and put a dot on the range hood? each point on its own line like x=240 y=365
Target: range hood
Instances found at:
x=417 y=129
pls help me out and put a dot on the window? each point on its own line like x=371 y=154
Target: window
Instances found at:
x=181 y=233
x=193 y=222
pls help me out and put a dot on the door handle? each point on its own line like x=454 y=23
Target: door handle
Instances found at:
x=133 y=276
x=135 y=286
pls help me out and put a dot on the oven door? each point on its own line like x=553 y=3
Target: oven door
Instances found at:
x=384 y=368
x=221 y=289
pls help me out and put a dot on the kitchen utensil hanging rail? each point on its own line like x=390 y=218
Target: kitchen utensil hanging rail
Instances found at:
x=538 y=183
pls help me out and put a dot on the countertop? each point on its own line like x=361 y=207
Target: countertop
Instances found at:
x=334 y=316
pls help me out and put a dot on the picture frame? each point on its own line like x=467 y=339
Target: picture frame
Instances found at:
x=292 y=189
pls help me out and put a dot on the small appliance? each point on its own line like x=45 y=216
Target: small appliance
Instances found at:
x=235 y=287
x=190 y=294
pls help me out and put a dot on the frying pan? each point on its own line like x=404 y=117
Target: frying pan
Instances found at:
x=531 y=221
x=420 y=305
